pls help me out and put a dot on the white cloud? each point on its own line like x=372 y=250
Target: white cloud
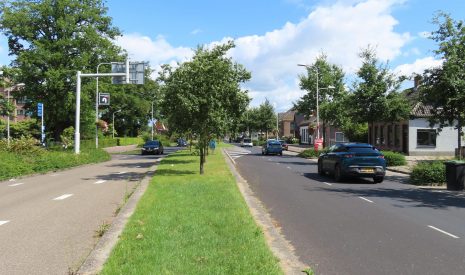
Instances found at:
x=196 y=31
x=340 y=30
x=157 y=51
x=418 y=67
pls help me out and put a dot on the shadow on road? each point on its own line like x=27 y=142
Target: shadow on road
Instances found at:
x=411 y=197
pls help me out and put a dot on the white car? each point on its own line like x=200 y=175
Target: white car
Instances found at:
x=246 y=142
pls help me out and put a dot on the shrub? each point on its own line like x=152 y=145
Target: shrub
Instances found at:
x=426 y=173
x=394 y=158
x=309 y=153
x=23 y=146
x=258 y=142
x=67 y=137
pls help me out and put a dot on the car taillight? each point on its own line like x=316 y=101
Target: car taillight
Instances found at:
x=381 y=156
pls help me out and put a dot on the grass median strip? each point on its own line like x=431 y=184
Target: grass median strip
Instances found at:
x=191 y=224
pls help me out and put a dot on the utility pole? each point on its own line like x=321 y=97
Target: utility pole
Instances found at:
x=151 y=121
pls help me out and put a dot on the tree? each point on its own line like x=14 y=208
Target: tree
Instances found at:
x=331 y=101
x=375 y=96
x=444 y=88
x=51 y=40
x=203 y=96
x=265 y=117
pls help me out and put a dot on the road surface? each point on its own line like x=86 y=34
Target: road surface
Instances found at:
x=357 y=227
x=48 y=223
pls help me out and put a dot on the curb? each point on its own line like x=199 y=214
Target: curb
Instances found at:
x=280 y=247
x=398 y=171
x=101 y=252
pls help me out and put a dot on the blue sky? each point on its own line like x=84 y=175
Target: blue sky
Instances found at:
x=272 y=36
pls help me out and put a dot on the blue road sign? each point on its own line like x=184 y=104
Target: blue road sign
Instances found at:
x=40 y=107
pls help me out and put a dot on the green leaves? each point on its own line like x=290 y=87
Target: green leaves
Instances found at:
x=51 y=40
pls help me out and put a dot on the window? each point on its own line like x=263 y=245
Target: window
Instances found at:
x=397 y=135
x=381 y=135
x=339 y=137
x=426 y=137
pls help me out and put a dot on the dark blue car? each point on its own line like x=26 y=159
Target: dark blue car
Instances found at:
x=272 y=146
x=353 y=159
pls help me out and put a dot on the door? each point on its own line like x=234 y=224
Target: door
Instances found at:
x=405 y=139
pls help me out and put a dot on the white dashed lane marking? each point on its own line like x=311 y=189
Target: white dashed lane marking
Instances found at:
x=327 y=183
x=62 y=197
x=365 y=199
x=16 y=184
x=238 y=153
x=99 y=181
x=120 y=173
x=4 y=222
x=443 y=232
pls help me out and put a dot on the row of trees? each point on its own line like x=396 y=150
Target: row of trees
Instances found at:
x=50 y=41
x=375 y=95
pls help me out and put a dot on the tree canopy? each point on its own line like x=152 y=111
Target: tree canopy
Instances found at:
x=443 y=88
x=203 y=96
x=51 y=40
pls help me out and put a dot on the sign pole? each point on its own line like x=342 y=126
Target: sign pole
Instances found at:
x=96 y=113
x=42 y=126
x=77 y=136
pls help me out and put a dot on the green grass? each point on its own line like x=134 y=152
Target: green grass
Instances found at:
x=14 y=164
x=191 y=224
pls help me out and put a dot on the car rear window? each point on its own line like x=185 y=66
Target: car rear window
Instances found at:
x=247 y=140
x=363 y=150
x=152 y=143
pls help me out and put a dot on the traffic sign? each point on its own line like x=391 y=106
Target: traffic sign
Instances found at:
x=103 y=99
x=40 y=108
x=136 y=72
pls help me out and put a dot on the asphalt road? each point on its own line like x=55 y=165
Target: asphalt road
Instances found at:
x=357 y=227
x=48 y=222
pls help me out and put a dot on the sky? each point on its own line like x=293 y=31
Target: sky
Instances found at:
x=273 y=36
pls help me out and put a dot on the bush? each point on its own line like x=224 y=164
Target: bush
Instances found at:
x=394 y=158
x=426 y=173
x=309 y=153
x=23 y=146
x=258 y=142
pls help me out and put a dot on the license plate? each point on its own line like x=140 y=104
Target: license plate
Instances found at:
x=366 y=170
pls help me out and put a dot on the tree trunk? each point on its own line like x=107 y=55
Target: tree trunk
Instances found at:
x=202 y=157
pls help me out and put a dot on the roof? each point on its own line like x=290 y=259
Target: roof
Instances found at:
x=418 y=108
x=289 y=115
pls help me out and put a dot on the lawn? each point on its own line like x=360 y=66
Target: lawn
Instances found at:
x=17 y=164
x=191 y=224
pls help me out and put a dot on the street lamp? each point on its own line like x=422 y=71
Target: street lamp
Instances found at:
x=96 y=101
x=151 y=121
x=317 y=98
x=113 y=130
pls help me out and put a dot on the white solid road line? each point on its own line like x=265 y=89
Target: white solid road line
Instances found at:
x=99 y=181
x=62 y=197
x=3 y=222
x=365 y=199
x=16 y=184
x=443 y=232
x=327 y=183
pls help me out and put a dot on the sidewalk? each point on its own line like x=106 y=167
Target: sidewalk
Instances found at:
x=412 y=161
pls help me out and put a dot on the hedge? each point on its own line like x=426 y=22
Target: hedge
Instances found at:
x=427 y=173
x=394 y=158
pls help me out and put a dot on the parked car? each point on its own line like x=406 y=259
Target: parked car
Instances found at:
x=272 y=146
x=284 y=144
x=246 y=142
x=152 y=147
x=353 y=159
x=182 y=142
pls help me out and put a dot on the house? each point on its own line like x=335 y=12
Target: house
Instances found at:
x=20 y=112
x=415 y=136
